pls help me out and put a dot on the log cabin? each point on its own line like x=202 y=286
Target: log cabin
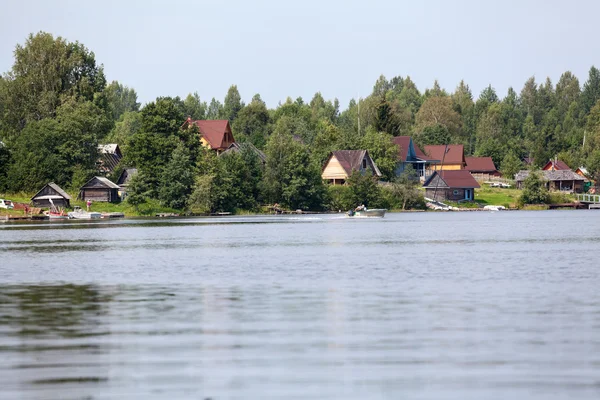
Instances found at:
x=51 y=192
x=342 y=163
x=456 y=185
x=482 y=166
x=100 y=189
x=563 y=180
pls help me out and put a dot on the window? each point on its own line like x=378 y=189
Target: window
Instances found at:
x=364 y=163
x=455 y=192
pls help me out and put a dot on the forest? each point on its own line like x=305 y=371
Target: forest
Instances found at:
x=56 y=106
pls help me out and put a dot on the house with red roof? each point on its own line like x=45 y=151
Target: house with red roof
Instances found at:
x=556 y=165
x=453 y=185
x=409 y=154
x=451 y=156
x=481 y=165
x=342 y=163
x=214 y=134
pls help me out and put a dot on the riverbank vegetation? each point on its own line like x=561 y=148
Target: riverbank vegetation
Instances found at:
x=56 y=106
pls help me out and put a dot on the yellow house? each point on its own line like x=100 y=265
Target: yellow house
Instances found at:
x=451 y=157
x=341 y=163
x=214 y=134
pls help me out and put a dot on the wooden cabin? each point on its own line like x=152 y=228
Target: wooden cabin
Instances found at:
x=458 y=185
x=409 y=154
x=50 y=194
x=214 y=134
x=342 y=163
x=124 y=180
x=563 y=181
x=582 y=171
x=483 y=166
x=100 y=189
x=451 y=157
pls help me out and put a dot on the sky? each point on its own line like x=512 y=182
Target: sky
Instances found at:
x=296 y=48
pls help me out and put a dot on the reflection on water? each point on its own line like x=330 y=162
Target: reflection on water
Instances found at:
x=415 y=306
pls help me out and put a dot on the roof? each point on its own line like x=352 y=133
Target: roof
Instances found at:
x=556 y=165
x=351 y=160
x=111 y=148
x=562 y=175
x=485 y=164
x=403 y=143
x=212 y=130
x=528 y=160
x=455 y=153
x=106 y=182
x=422 y=156
x=54 y=187
x=126 y=176
x=455 y=179
x=236 y=147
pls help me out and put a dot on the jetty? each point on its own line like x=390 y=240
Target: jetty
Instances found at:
x=592 y=201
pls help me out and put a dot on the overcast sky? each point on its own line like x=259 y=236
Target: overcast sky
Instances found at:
x=279 y=48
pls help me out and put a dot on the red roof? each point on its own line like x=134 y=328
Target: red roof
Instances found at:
x=454 y=153
x=555 y=166
x=455 y=179
x=480 y=164
x=351 y=160
x=403 y=143
x=214 y=132
x=422 y=155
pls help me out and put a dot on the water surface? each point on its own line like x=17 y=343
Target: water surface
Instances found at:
x=421 y=305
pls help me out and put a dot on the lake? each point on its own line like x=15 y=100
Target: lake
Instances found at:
x=473 y=305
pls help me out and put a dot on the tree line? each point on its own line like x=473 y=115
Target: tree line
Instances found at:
x=56 y=106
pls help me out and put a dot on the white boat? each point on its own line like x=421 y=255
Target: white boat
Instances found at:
x=494 y=208
x=373 y=213
x=78 y=213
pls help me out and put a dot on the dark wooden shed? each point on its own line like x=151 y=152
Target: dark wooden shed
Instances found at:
x=51 y=192
x=100 y=189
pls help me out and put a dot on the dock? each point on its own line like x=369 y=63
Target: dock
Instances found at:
x=591 y=201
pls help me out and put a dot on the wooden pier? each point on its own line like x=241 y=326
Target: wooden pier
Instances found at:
x=592 y=201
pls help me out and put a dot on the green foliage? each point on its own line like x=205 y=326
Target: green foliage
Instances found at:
x=232 y=105
x=405 y=191
x=121 y=99
x=383 y=151
x=252 y=123
x=534 y=190
x=511 y=164
x=193 y=107
x=202 y=199
x=364 y=189
x=177 y=179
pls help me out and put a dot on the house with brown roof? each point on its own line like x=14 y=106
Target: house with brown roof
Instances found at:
x=409 y=154
x=100 y=189
x=457 y=185
x=214 y=134
x=562 y=180
x=481 y=165
x=556 y=165
x=342 y=163
x=452 y=157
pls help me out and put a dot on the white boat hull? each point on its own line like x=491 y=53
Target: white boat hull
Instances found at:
x=84 y=215
x=374 y=213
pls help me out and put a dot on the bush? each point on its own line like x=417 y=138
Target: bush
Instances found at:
x=534 y=190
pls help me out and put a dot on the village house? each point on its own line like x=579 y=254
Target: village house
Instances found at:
x=557 y=180
x=556 y=165
x=214 y=134
x=51 y=194
x=342 y=163
x=409 y=154
x=100 y=189
x=458 y=185
x=110 y=156
x=483 y=166
x=451 y=157
x=582 y=171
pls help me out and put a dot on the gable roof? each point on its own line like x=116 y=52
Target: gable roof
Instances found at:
x=111 y=148
x=454 y=179
x=404 y=143
x=556 y=165
x=454 y=153
x=235 y=147
x=54 y=187
x=485 y=164
x=548 y=175
x=104 y=181
x=212 y=130
x=126 y=176
x=351 y=160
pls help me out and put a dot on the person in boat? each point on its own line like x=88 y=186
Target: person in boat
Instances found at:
x=361 y=208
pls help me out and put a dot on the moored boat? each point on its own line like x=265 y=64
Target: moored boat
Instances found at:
x=78 y=213
x=372 y=213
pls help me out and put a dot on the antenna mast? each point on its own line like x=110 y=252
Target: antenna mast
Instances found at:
x=358 y=114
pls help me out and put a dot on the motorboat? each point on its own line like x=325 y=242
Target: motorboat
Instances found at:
x=78 y=213
x=367 y=213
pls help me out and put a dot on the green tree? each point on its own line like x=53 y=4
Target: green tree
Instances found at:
x=591 y=90
x=534 y=190
x=252 y=123
x=232 y=105
x=177 y=179
x=121 y=99
x=511 y=164
x=405 y=189
x=194 y=107
x=438 y=111
x=215 y=109
x=364 y=189
x=383 y=151
x=128 y=125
